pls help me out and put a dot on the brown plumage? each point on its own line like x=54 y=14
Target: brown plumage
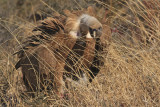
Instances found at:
x=62 y=44
x=43 y=55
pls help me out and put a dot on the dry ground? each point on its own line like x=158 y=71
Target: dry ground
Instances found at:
x=131 y=72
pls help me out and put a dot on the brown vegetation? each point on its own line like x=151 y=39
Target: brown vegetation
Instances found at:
x=131 y=71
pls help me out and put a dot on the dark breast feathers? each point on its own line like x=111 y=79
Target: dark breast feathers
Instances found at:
x=80 y=59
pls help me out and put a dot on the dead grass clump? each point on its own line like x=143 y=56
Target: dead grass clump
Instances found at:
x=131 y=72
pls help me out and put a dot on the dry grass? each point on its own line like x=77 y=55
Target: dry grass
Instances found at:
x=130 y=75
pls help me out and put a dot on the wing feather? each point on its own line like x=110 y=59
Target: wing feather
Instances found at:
x=47 y=29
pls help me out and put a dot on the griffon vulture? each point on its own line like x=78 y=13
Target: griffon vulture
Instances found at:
x=60 y=47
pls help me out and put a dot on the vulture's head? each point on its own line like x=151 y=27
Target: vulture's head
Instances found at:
x=89 y=27
x=85 y=26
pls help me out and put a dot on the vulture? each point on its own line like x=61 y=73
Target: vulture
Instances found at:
x=60 y=47
x=42 y=56
x=82 y=63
